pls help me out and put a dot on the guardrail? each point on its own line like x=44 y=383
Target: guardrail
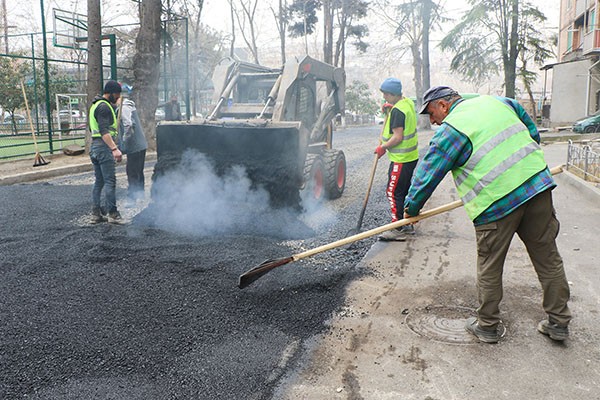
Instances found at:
x=583 y=159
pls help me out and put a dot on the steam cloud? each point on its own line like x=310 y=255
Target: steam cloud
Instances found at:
x=191 y=199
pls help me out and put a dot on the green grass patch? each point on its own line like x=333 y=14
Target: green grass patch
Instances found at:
x=17 y=146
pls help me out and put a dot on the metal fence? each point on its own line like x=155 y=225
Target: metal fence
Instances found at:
x=16 y=139
x=583 y=159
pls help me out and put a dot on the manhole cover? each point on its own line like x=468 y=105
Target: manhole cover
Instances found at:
x=443 y=324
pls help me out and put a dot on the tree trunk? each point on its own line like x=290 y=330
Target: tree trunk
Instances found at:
x=423 y=120
x=195 y=48
x=146 y=68
x=417 y=66
x=327 y=32
x=510 y=68
x=282 y=29
x=232 y=15
x=94 y=59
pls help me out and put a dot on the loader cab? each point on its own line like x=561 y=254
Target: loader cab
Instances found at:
x=302 y=105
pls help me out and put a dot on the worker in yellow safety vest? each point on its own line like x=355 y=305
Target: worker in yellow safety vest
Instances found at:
x=399 y=141
x=104 y=154
x=491 y=146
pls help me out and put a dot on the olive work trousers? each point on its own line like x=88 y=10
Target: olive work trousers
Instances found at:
x=536 y=224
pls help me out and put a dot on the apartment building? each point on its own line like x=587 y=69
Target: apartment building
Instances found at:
x=576 y=75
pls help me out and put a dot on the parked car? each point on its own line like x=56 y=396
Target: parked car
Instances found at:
x=64 y=114
x=19 y=119
x=588 y=124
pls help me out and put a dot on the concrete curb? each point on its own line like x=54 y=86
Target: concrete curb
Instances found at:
x=43 y=174
x=587 y=189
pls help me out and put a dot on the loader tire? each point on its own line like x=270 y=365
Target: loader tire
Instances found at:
x=313 y=189
x=335 y=173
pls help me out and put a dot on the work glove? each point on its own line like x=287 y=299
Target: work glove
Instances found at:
x=380 y=151
x=386 y=107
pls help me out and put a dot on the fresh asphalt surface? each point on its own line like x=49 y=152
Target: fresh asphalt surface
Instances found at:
x=138 y=312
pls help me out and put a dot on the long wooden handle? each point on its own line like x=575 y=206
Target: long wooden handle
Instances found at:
x=406 y=221
x=35 y=145
x=366 y=201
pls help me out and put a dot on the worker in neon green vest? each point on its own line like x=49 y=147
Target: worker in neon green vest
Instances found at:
x=104 y=153
x=491 y=146
x=399 y=141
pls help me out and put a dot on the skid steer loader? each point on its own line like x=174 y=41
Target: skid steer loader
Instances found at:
x=276 y=123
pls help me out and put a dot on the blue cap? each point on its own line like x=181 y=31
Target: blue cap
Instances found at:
x=434 y=93
x=392 y=86
x=126 y=88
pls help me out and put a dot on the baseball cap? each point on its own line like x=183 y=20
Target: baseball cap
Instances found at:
x=434 y=93
x=126 y=88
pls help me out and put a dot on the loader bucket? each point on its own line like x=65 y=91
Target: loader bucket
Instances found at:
x=272 y=154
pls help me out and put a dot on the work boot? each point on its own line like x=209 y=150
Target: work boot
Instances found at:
x=97 y=216
x=408 y=229
x=554 y=331
x=116 y=218
x=397 y=235
x=484 y=335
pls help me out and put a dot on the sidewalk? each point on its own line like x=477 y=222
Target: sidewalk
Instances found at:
x=22 y=171
x=401 y=334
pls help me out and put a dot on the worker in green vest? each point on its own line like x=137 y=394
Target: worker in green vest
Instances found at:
x=104 y=153
x=399 y=141
x=491 y=146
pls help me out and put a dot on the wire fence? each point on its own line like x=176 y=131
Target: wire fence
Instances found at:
x=16 y=139
x=583 y=159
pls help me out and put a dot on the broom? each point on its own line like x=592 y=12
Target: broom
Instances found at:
x=38 y=160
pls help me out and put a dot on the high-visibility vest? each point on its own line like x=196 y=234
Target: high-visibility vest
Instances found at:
x=504 y=154
x=407 y=150
x=94 y=128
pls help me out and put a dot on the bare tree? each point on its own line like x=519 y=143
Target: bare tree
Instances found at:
x=281 y=21
x=303 y=20
x=193 y=11
x=246 y=21
x=412 y=21
x=348 y=12
x=94 y=61
x=232 y=46
x=146 y=66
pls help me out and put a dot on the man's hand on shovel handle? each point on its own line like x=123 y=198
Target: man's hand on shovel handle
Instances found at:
x=409 y=216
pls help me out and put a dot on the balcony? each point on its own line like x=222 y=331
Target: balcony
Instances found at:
x=591 y=42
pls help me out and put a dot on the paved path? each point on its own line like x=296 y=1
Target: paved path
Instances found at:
x=401 y=334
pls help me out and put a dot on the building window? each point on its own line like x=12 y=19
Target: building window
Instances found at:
x=570 y=40
x=592 y=21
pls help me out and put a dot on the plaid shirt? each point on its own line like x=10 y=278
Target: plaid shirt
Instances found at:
x=450 y=149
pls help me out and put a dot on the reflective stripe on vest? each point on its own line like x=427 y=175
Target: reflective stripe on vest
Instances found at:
x=94 y=128
x=504 y=154
x=407 y=150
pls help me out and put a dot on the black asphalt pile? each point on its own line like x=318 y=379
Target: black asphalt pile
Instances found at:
x=271 y=157
x=152 y=311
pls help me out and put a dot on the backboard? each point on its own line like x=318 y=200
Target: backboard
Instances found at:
x=70 y=29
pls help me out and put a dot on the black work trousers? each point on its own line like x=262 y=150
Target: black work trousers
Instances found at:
x=135 y=174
